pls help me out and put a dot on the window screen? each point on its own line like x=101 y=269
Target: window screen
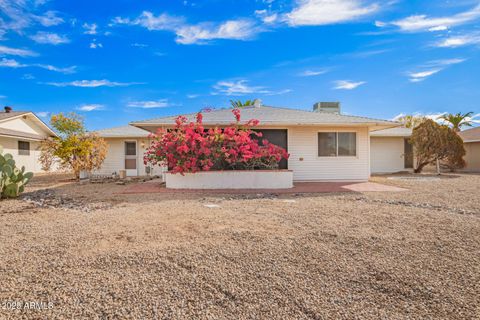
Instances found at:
x=327 y=144
x=347 y=144
x=24 y=148
x=130 y=148
x=337 y=144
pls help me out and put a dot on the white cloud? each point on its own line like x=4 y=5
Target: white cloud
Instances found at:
x=49 y=38
x=438 y=28
x=16 y=52
x=459 y=41
x=347 y=84
x=323 y=12
x=90 y=28
x=2 y=97
x=432 y=116
x=202 y=33
x=241 y=87
x=192 y=96
x=43 y=114
x=422 y=75
x=267 y=17
x=312 y=73
x=432 y=67
x=139 y=45
x=92 y=83
x=242 y=29
x=95 y=45
x=21 y=14
x=162 y=103
x=48 y=19
x=66 y=70
x=151 y=22
x=445 y=62
x=11 y=63
x=422 y=22
x=91 y=107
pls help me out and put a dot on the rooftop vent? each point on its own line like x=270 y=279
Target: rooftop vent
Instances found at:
x=330 y=107
x=8 y=109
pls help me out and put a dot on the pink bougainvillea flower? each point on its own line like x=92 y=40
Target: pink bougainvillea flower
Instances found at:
x=191 y=148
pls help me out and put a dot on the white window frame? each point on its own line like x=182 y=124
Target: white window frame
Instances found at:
x=336 y=133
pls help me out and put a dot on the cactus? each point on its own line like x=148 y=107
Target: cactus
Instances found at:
x=12 y=179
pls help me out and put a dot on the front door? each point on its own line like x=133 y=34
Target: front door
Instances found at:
x=131 y=158
x=408 y=154
x=277 y=137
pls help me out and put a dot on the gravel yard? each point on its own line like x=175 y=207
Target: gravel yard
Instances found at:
x=93 y=253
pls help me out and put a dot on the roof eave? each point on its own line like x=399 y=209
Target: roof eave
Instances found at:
x=14 y=136
x=122 y=137
x=378 y=125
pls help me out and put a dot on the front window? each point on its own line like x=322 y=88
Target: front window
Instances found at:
x=337 y=144
x=24 y=148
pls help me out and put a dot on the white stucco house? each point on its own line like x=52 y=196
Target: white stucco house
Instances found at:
x=324 y=145
x=391 y=151
x=20 y=135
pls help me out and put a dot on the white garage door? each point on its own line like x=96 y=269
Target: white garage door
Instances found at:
x=387 y=154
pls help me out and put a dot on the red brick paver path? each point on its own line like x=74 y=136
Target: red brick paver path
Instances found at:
x=299 y=187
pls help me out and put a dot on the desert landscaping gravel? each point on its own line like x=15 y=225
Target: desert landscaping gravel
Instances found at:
x=86 y=251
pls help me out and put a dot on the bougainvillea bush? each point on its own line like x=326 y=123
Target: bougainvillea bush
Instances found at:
x=189 y=147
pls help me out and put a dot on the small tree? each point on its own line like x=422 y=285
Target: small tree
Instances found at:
x=74 y=148
x=411 y=121
x=434 y=142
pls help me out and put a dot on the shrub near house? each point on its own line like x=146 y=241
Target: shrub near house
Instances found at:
x=190 y=148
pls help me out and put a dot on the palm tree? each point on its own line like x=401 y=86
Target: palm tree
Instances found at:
x=458 y=120
x=240 y=104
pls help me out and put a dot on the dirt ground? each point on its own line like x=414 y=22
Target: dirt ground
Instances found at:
x=85 y=251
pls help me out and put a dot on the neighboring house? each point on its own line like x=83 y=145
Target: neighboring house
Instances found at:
x=323 y=144
x=471 y=140
x=20 y=135
x=126 y=146
x=391 y=151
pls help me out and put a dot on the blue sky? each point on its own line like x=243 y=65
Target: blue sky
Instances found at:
x=120 y=61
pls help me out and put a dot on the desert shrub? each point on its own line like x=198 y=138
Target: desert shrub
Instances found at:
x=189 y=147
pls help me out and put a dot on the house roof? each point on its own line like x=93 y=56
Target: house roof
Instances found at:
x=19 y=134
x=271 y=116
x=11 y=114
x=123 y=132
x=471 y=135
x=6 y=116
x=393 y=132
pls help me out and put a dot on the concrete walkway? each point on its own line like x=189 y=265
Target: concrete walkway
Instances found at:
x=155 y=186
